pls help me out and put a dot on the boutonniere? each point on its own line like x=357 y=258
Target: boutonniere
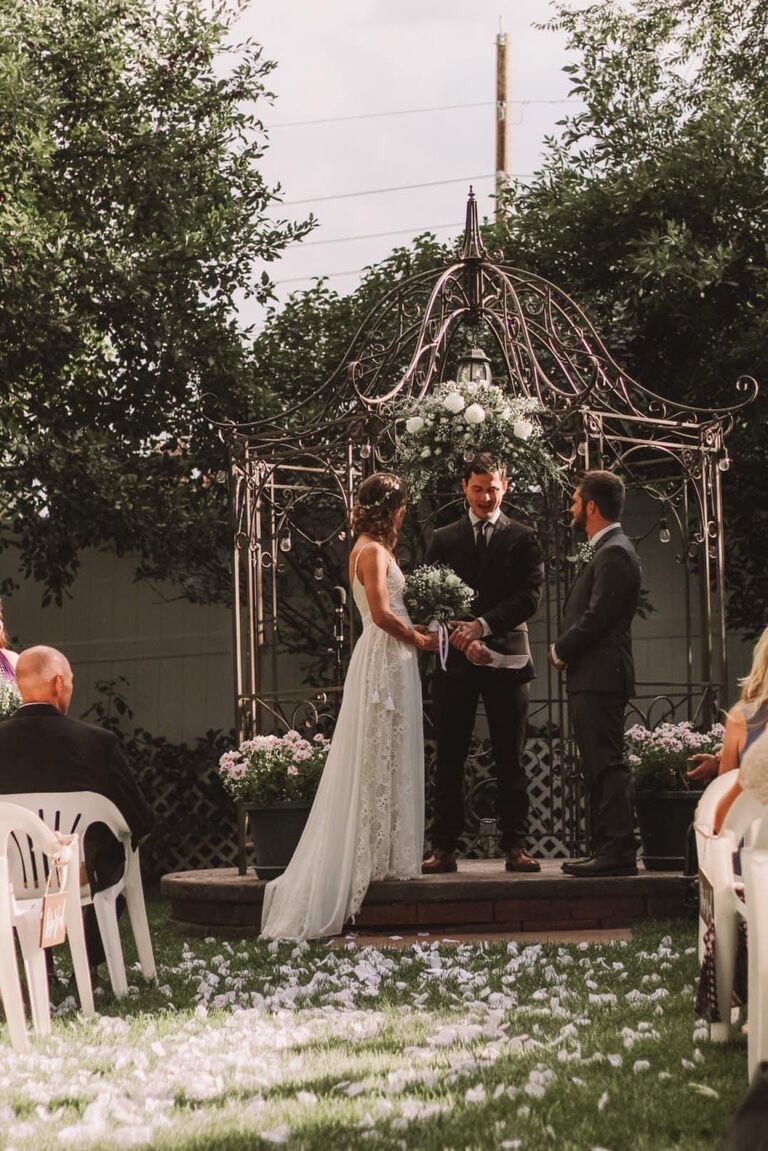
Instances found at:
x=585 y=553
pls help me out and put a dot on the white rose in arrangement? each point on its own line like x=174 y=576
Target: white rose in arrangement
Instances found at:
x=522 y=429
x=454 y=403
x=452 y=580
x=475 y=414
x=414 y=424
x=425 y=453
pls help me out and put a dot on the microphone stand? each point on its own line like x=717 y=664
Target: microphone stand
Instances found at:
x=339 y=595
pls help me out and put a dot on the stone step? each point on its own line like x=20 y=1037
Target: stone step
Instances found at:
x=480 y=897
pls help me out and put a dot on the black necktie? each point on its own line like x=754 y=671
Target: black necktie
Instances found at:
x=482 y=540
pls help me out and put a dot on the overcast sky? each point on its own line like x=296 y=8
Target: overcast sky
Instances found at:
x=354 y=58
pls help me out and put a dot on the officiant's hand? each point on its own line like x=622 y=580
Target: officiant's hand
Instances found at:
x=466 y=633
x=478 y=654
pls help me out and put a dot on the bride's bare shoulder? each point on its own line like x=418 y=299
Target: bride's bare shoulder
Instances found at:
x=373 y=546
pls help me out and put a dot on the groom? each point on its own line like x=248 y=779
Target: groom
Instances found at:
x=502 y=561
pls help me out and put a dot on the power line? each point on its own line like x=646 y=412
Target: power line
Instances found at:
x=323 y=276
x=396 y=188
x=378 y=235
x=408 y=112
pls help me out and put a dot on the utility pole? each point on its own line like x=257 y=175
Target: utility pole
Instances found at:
x=502 y=135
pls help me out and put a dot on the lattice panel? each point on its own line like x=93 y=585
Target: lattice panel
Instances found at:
x=546 y=820
x=194 y=826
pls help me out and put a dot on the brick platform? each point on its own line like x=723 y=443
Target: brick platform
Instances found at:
x=480 y=896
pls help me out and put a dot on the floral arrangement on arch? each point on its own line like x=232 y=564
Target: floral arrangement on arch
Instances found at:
x=658 y=757
x=444 y=430
x=271 y=769
x=9 y=697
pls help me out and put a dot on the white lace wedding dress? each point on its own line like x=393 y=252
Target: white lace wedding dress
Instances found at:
x=367 y=820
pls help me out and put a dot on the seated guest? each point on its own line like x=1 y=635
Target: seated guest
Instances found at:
x=753 y=773
x=43 y=750
x=8 y=658
x=746 y=722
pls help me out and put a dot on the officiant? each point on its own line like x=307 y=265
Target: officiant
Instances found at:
x=489 y=659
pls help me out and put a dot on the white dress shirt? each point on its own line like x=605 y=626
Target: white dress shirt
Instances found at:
x=498 y=659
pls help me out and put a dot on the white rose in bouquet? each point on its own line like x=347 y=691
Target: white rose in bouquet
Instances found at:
x=414 y=424
x=454 y=403
x=475 y=414
x=425 y=453
x=522 y=429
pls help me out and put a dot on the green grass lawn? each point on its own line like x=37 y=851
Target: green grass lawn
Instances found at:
x=247 y=1045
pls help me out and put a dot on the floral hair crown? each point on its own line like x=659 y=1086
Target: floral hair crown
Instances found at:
x=382 y=499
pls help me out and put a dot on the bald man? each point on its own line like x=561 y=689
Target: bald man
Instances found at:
x=42 y=749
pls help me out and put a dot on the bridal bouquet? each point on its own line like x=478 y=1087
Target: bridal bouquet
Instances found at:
x=456 y=422
x=271 y=769
x=9 y=697
x=435 y=592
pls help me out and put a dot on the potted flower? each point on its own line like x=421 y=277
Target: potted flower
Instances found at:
x=664 y=800
x=273 y=780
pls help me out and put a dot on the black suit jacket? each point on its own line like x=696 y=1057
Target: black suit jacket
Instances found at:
x=507 y=580
x=596 y=637
x=43 y=750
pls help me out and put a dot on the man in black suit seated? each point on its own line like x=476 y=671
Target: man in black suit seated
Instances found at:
x=594 y=649
x=43 y=750
x=502 y=560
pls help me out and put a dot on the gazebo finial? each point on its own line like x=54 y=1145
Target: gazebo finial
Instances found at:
x=472 y=247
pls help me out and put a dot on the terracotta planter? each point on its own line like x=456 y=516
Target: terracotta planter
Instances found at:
x=664 y=818
x=274 y=832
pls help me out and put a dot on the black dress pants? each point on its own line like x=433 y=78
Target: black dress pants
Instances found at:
x=455 y=699
x=597 y=719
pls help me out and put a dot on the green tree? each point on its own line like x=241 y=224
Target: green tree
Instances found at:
x=651 y=211
x=133 y=218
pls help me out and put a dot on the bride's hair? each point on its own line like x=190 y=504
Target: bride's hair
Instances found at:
x=379 y=498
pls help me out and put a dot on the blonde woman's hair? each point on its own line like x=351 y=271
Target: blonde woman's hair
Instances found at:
x=754 y=687
x=379 y=498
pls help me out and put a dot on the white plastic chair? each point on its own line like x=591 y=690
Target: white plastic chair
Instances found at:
x=26 y=844
x=76 y=811
x=754 y=863
x=719 y=904
x=703 y=822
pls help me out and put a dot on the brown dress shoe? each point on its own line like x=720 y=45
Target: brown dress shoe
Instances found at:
x=518 y=859
x=438 y=862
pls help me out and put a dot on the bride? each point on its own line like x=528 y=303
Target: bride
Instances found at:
x=367 y=820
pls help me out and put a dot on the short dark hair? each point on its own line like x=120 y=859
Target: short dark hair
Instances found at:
x=483 y=464
x=606 y=489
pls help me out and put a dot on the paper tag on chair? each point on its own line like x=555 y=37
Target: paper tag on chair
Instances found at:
x=706 y=900
x=53 y=926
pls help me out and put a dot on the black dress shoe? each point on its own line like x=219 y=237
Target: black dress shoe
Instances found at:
x=601 y=866
x=570 y=862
